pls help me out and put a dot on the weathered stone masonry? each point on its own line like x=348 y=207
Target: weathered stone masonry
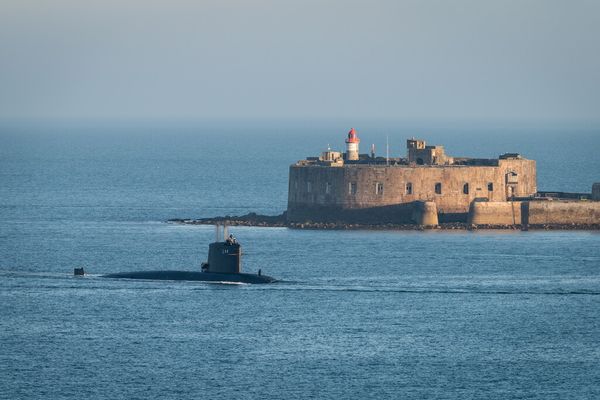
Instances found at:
x=376 y=190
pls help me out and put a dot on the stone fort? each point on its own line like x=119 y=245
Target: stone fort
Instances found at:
x=364 y=188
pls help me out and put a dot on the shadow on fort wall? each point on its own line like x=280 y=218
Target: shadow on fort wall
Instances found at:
x=404 y=213
x=452 y=217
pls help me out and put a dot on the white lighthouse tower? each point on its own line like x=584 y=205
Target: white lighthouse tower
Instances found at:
x=352 y=145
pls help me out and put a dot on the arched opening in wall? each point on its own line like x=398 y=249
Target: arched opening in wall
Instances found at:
x=490 y=187
x=409 y=188
x=379 y=188
x=438 y=188
x=466 y=188
x=420 y=161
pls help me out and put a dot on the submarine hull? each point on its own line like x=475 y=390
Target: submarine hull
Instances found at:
x=193 y=276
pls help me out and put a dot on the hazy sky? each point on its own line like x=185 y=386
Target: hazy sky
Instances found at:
x=501 y=59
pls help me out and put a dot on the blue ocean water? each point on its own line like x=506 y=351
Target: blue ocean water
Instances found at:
x=358 y=314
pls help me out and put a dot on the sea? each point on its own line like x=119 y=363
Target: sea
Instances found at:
x=361 y=314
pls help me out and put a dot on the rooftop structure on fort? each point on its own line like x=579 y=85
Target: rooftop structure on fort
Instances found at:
x=418 y=153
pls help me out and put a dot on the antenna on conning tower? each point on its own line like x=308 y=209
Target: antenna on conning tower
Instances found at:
x=387 y=149
x=216 y=232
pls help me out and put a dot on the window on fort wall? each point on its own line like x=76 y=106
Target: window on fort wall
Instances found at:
x=466 y=188
x=327 y=188
x=352 y=188
x=409 y=188
x=490 y=187
x=379 y=188
x=309 y=187
x=438 y=188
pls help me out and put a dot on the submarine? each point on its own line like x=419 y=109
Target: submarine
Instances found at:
x=224 y=264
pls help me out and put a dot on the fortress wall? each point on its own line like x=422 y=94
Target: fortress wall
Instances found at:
x=423 y=181
x=394 y=180
x=561 y=212
x=323 y=192
x=495 y=213
x=317 y=177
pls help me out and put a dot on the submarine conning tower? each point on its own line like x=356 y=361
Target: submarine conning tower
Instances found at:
x=225 y=257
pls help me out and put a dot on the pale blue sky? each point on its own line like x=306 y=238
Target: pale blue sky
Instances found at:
x=463 y=59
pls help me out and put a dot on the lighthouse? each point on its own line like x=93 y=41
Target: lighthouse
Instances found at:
x=352 y=145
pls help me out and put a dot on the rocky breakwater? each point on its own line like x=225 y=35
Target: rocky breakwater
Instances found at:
x=253 y=219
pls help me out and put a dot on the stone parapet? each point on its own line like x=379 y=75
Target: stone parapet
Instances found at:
x=425 y=213
x=560 y=212
x=503 y=213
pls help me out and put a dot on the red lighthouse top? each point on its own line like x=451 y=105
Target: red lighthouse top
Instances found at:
x=352 y=137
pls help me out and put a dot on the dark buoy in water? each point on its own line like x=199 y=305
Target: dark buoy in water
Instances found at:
x=224 y=265
x=79 y=271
